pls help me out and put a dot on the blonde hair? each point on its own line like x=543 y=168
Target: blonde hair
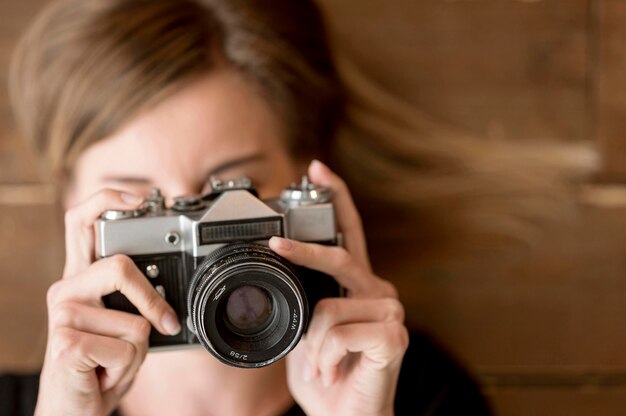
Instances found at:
x=86 y=67
x=430 y=193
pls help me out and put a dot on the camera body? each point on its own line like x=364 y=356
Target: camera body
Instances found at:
x=208 y=257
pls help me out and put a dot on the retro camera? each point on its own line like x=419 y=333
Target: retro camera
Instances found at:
x=208 y=257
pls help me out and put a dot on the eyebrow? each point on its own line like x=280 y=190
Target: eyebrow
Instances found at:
x=255 y=157
x=139 y=180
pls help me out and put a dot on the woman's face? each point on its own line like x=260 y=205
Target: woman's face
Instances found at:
x=218 y=125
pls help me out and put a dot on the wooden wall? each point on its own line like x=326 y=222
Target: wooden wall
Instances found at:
x=543 y=332
x=609 y=86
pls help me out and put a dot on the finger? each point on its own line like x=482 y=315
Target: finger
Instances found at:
x=84 y=352
x=336 y=262
x=381 y=344
x=348 y=218
x=332 y=312
x=118 y=273
x=106 y=322
x=79 y=222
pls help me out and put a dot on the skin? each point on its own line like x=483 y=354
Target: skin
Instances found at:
x=96 y=360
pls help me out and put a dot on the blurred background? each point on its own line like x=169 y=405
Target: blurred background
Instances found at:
x=540 y=326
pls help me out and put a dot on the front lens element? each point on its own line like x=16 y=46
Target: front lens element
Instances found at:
x=249 y=309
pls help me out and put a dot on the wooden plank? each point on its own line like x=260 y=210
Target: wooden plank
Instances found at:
x=31 y=258
x=610 y=105
x=503 y=69
x=558 y=402
x=553 y=306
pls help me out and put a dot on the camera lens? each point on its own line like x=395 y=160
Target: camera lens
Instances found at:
x=249 y=309
x=246 y=305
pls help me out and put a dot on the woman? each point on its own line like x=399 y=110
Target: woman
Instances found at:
x=120 y=96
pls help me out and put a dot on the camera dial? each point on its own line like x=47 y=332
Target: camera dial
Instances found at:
x=155 y=202
x=305 y=193
x=113 y=215
x=188 y=203
x=218 y=185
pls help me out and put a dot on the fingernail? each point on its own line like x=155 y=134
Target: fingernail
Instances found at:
x=282 y=243
x=131 y=199
x=316 y=164
x=308 y=372
x=170 y=323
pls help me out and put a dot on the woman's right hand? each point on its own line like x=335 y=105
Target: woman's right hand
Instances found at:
x=93 y=353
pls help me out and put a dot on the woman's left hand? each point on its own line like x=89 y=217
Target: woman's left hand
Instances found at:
x=349 y=361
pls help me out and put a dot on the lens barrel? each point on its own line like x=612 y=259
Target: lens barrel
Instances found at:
x=246 y=305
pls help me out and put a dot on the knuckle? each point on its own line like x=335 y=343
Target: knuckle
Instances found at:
x=53 y=292
x=335 y=338
x=127 y=352
x=142 y=327
x=121 y=264
x=398 y=335
x=152 y=304
x=327 y=308
x=63 y=315
x=343 y=259
x=71 y=216
x=64 y=343
x=394 y=310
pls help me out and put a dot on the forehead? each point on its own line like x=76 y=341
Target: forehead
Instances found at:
x=210 y=120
